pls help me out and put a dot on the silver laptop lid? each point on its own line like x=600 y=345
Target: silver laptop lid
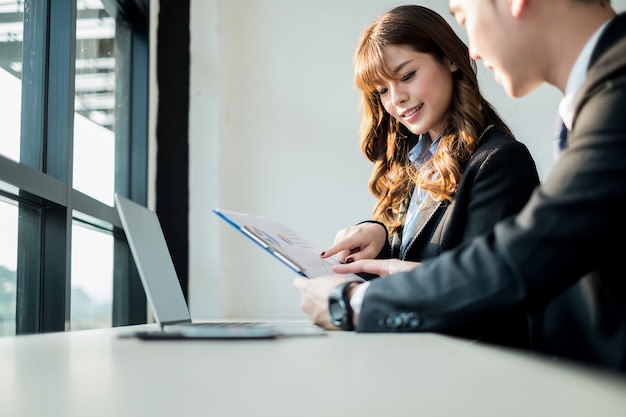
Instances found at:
x=154 y=263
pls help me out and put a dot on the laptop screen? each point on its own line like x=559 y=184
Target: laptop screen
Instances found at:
x=153 y=260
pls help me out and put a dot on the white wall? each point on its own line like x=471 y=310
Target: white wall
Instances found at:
x=273 y=131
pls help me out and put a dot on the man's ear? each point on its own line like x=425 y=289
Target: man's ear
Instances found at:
x=453 y=67
x=517 y=6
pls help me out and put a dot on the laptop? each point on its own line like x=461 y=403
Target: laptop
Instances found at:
x=165 y=296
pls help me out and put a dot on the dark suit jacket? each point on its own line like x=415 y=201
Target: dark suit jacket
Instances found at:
x=560 y=259
x=497 y=182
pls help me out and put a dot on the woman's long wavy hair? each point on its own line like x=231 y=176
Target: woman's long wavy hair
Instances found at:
x=386 y=142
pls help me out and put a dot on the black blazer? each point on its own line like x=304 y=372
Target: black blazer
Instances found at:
x=497 y=182
x=560 y=259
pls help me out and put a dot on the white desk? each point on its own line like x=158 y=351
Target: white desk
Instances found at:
x=93 y=373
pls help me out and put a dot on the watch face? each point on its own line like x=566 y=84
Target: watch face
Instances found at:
x=336 y=311
x=339 y=307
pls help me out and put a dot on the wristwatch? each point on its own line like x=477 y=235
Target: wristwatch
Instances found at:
x=339 y=306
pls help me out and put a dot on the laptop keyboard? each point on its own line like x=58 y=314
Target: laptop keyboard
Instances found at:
x=228 y=324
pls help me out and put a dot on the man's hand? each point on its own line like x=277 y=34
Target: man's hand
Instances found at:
x=314 y=301
x=379 y=267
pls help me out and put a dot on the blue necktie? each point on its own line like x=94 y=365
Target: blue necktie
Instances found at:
x=560 y=137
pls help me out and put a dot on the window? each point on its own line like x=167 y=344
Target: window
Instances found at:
x=11 y=36
x=92 y=278
x=71 y=73
x=8 y=263
x=94 y=104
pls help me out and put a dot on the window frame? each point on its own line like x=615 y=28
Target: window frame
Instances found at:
x=48 y=204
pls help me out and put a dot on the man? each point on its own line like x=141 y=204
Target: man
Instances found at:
x=560 y=260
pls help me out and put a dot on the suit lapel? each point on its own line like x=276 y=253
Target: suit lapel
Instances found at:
x=423 y=218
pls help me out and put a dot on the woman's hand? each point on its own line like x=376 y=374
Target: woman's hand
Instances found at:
x=379 y=267
x=363 y=241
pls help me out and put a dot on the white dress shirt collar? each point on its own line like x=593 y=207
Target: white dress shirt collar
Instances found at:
x=577 y=77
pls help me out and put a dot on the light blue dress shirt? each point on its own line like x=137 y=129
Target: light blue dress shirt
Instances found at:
x=419 y=196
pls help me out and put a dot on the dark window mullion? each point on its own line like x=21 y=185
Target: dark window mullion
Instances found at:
x=138 y=88
x=56 y=271
x=57 y=221
x=30 y=229
x=172 y=133
x=29 y=291
x=60 y=120
x=34 y=82
x=131 y=169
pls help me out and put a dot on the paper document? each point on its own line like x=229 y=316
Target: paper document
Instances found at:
x=284 y=244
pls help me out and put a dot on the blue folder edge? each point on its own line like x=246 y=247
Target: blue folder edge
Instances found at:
x=282 y=258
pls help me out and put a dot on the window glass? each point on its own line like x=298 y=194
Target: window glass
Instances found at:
x=94 y=141
x=95 y=79
x=11 y=37
x=92 y=278
x=8 y=266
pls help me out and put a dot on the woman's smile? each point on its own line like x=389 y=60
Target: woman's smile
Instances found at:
x=411 y=115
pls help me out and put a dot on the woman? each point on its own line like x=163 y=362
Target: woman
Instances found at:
x=446 y=166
